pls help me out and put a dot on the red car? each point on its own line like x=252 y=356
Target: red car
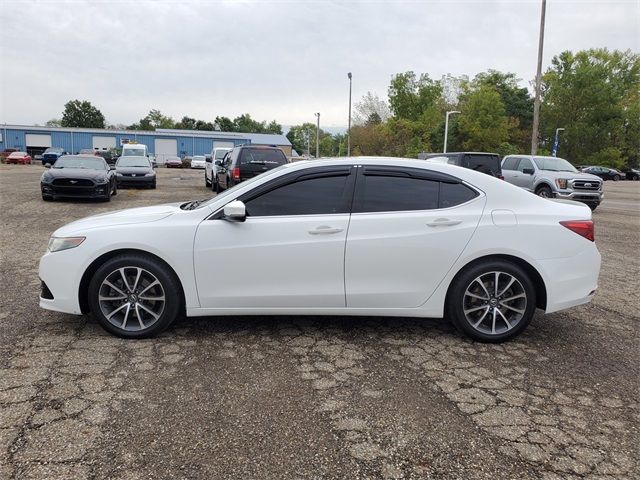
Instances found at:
x=19 y=158
x=173 y=162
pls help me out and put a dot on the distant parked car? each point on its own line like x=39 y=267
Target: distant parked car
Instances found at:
x=243 y=163
x=79 y=176
x=211 y=169
x=632 y=174
x=107 y=155
x=198 y=161
x=88 y=151
x=488 y=163
x=173 y=162
x=135 y=172
x=551 y=177
x=52 y=154
x=19 y=158
x=6 y=152
x=605 y=173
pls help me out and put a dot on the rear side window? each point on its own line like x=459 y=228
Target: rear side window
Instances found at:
x=489 y=164
x=314 y=196
x=510 y=163
x=452 y=194
x=397 y=194
x=262 y=156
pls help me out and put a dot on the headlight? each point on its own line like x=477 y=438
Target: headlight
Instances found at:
x=152 y=174
x=64 y=243
x=561 y=182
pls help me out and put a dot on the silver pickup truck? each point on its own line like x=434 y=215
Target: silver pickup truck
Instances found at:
x=552 y=177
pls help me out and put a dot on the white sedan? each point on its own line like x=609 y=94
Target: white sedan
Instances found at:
x=355 y=236
x=198 y=161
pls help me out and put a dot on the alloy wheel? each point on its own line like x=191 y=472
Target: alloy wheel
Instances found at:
x=494 y=303
x=131 y=298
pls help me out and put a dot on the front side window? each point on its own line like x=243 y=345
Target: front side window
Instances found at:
x=525 y=163
x=314 y=196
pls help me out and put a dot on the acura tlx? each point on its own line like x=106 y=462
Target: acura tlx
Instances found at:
x=352 y=236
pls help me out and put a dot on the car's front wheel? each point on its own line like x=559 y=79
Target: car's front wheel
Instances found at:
x=544 y=192
x=134 y=296
x=491 y=301
x=616 y=178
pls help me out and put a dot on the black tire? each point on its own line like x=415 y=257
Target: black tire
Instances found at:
x=593 y=207
x=47 y=198
x=217 y=185
x=544 y=191
x=207 y=183
x=153 y=186
x=115 y=188
x=169 y=284
x=616 y=178
x=467 y=279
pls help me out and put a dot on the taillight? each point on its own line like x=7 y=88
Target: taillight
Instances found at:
x=236 y=173
x=583 y=228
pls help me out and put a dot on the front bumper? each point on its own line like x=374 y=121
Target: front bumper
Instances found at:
x=60 y=274
x=199 y=166
x=585 y=197
x=96 y=191
x=125 y=181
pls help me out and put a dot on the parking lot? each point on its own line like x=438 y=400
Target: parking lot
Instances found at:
x=330 y=397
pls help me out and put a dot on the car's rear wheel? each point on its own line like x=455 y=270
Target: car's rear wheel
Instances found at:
x=115 y=188
x=616 y=178
x=492 y=301
x=134 y=296
x=544 y=192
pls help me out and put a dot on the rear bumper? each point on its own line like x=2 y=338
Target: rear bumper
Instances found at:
x=571 y=281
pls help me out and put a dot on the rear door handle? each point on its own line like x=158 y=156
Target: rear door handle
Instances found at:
x=444 y=222
x=324 y=230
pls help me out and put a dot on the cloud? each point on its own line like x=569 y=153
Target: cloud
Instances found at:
x=280 y=60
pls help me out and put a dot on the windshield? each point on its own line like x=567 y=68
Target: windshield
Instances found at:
x=220 y=154
x=133 y=162
x=132 y=152
x=554 y=164
x=95 y=163
x=232 y=191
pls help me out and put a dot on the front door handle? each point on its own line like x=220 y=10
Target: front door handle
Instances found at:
x=444 y=222
x=324 y=229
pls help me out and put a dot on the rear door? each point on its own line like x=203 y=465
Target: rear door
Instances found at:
x=408 y=227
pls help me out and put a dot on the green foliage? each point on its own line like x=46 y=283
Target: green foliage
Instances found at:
x=410 y=98
x=330 y=145
x=154 y=119
x=54 y=122
x=81 y=114
x=483 y=125
x=593 y=95
x=245 y=124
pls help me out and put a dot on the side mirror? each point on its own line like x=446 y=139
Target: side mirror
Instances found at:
x=528 y=171
x=235 y=211
x=47 y=165
x=218 y=163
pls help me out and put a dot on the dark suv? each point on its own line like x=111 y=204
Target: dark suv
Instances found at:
x=242 y=163
x=51 y=155
x=488 y=163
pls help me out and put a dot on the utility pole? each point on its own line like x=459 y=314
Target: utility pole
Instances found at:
x=349 y=127
x=318 y=135
x=536 y=102
x=446 y=128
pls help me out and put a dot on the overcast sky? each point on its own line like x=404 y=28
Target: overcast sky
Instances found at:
x=280 y=60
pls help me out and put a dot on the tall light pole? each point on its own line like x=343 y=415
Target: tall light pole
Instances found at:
x=536 y=102
x=349 y=127
x=446 y=128
x=554 y=151
x=317 y=135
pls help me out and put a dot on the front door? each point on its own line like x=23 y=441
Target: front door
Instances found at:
x=408 y=227
x=288 y=253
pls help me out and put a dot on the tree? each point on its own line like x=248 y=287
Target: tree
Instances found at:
x=223 y=124
x=187 y=123
x=54 y=122
x=411 y=98
x=483 y=125
x=298 y=135
x=81 y=114
x=370 y=107
x=154 y=119
x=593 y=95
x=274 y=127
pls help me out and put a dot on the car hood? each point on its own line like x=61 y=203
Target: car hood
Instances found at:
x=75 y=173
x=120 y=217
x=138 y=170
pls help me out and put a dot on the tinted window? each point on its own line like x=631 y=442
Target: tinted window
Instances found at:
x=525 y=163
x=394 y=194
x=452 y=194
x=305 y=197
x=483 y=163
x=510 y=163
x=262 y=156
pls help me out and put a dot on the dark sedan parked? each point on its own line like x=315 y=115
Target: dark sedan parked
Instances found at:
x=604 y=173
x=633 y=174
x=79 y=176
x=135 y=172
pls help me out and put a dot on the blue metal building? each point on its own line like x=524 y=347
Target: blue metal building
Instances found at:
x=161 y=143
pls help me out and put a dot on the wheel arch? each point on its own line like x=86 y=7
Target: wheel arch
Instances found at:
x=83 y=289
x=536 y=278
x=543 y=183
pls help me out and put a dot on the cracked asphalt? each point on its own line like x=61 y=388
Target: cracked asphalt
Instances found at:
x=310 y=398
